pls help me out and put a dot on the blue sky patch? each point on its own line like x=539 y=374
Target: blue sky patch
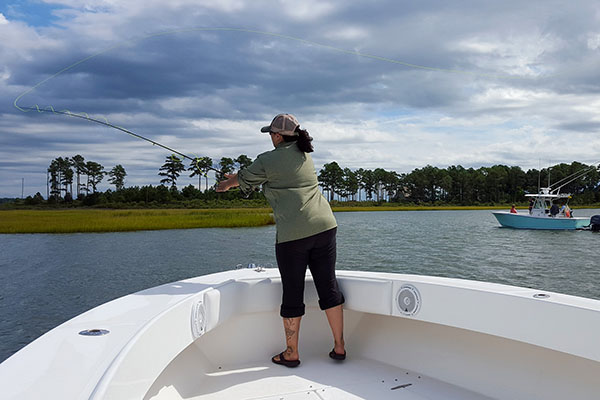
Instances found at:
x=34 y=13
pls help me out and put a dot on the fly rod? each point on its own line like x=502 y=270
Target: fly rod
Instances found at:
x=86 y=117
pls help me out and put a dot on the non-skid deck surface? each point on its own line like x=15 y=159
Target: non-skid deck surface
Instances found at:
x=325 y=379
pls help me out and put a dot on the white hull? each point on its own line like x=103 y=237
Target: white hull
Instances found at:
x=211 y=337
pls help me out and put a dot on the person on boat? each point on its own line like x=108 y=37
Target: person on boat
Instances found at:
x=530 y=205
x=306 y=230
x=554 y=210
x=513 y=210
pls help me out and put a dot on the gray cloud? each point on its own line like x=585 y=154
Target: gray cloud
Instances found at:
x=529 y=68
x=580 y=126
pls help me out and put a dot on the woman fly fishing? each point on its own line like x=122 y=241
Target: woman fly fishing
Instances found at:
x=306 y=230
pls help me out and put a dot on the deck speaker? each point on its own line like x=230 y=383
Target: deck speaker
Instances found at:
x=198 y=319
x=408 y=300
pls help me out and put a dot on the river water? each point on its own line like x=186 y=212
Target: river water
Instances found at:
x=48 y=279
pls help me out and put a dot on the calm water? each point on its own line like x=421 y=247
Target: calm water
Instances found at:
x=48 y=279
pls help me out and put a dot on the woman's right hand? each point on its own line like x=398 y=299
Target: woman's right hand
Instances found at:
x=227 y=184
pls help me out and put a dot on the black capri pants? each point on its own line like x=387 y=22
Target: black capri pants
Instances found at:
x=318 y=252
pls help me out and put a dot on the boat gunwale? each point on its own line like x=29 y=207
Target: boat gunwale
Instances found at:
x=464 y=293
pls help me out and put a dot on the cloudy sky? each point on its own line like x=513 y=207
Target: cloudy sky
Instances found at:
x=391 y=84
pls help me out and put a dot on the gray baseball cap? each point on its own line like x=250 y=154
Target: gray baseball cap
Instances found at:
x=284 y=124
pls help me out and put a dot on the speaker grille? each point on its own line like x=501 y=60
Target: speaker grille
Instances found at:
x=408 y=300
x=198 y=319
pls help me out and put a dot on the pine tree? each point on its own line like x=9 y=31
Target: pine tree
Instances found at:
x=117 y=176
x=171 y=170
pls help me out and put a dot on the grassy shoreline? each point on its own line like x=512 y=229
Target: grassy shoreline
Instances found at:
x=98 y=220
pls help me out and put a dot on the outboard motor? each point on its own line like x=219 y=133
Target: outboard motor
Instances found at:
x=595 y=223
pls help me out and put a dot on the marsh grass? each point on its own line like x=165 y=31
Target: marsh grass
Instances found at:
x=93 y=220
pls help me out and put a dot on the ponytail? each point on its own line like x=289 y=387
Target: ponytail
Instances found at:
x=303 y=140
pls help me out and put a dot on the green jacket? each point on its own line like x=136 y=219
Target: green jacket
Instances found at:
x=290 y=185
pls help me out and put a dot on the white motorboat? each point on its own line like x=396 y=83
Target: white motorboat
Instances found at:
x=407 y=337
x=540 y=215
x=544 y=212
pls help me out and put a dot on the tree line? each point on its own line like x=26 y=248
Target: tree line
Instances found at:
x=498 y=184
x=62 y=171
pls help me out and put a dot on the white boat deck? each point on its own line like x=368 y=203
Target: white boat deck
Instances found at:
x=211 y=337
x=319 y=378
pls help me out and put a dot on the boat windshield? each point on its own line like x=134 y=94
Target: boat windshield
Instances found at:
x=542 y=203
